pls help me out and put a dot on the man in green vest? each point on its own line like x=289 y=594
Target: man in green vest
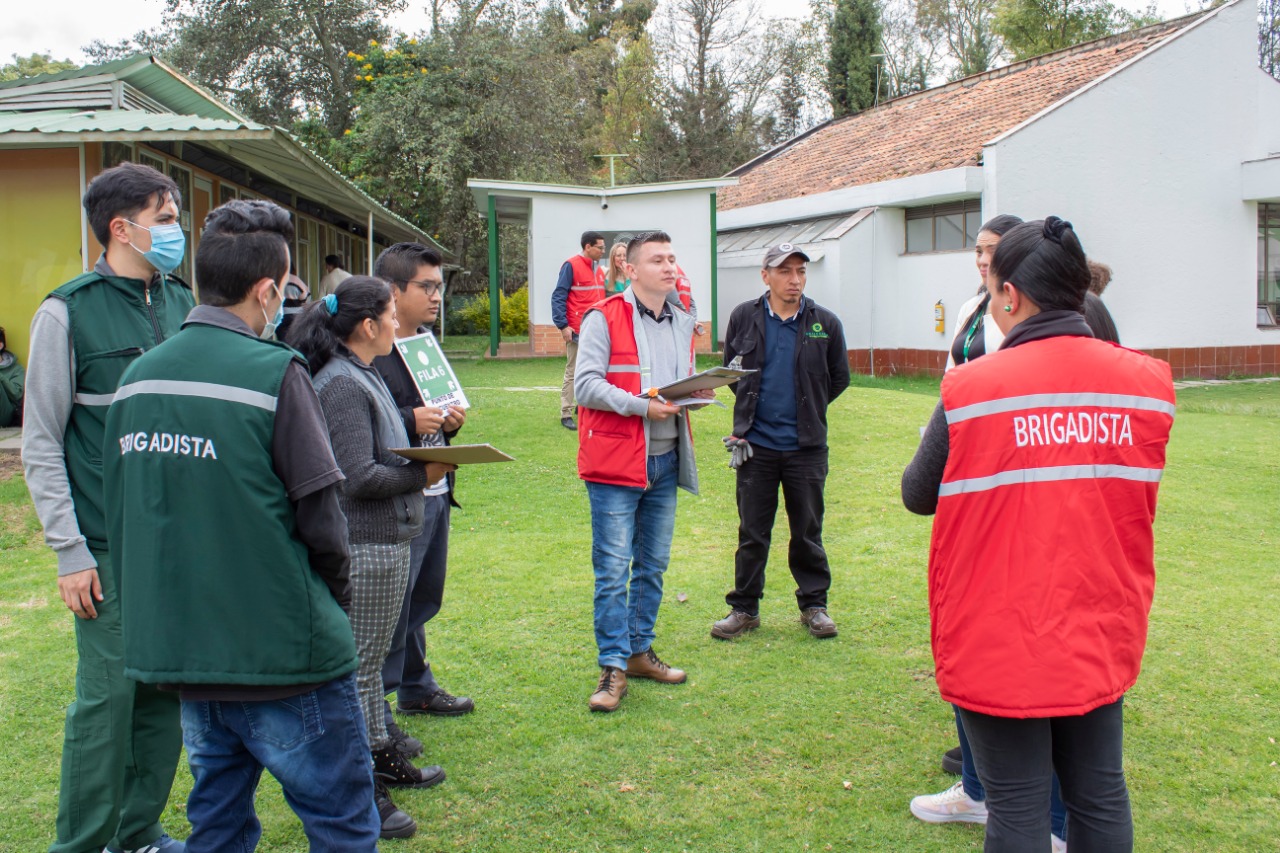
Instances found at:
x=122 y=739
x=222 y=490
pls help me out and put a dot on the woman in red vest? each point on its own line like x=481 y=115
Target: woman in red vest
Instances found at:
x=1042 y=464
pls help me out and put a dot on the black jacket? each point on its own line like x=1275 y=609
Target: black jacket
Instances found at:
x=405 y=392
x=821 y=369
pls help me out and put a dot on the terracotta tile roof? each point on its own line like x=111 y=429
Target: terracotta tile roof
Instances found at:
x=940 y=128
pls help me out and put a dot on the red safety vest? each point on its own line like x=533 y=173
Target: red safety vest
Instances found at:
x=1041 y=568
x=611 y=447
x=587 y=289
x=684 y=290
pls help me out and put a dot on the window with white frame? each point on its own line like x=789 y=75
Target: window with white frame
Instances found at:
x=1268 y=264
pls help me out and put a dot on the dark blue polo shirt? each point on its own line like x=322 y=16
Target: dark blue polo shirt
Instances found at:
x=775 y=422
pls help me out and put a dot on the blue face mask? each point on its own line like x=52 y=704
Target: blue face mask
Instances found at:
x=168 y=246
x=269 y=330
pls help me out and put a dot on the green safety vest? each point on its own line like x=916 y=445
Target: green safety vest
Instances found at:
x=215 y=585
x=113 y=321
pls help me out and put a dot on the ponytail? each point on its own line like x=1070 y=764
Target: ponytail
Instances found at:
x=324 y=327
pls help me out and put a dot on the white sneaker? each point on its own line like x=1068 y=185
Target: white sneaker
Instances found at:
x=1059 y=846
x=952 y=805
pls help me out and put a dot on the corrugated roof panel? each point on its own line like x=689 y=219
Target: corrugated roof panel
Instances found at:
x=115 y=121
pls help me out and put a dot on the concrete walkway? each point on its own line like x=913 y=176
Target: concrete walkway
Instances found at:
x=11 y=439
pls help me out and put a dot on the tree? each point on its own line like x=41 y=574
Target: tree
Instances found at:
x=965 y=29
x=1269 y=37
x=853 y=71
x=1034 y=27
x=30 y=66
x=274 y=60
x=910 y=60
x=600 y=18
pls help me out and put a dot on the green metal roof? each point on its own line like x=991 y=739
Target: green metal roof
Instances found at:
x=149 y=75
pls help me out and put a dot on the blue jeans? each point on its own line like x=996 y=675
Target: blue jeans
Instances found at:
x=973 y=786
x=314 y=744
x=631 y=531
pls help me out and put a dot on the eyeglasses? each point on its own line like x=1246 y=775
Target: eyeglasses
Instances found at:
x=431 y=288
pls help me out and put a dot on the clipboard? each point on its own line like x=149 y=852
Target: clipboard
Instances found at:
x=458 y=454
x=714 y=377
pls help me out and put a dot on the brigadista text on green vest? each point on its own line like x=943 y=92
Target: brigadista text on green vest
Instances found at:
x=113 y=321
x=211 y=564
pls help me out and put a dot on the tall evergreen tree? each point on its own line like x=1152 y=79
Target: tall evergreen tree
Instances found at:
x=852 y=70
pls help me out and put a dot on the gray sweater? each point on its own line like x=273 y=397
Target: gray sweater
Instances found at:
x=382 y=495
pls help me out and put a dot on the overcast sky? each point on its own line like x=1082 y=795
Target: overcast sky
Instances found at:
x=63 y=27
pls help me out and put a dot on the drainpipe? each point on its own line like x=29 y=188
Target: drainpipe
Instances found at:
x=715 y=279
x=370 y=267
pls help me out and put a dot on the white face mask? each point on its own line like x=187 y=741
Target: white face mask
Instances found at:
x=268 y=332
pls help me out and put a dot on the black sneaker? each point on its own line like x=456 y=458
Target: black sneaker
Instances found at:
x=442 y=703
x=409 y=746
x=396 y=771
x=395 y=823
x=952 y=761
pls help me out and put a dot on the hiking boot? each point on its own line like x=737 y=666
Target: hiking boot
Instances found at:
x=568 y=423
x=442 y=703
x=647 y=665
x=610 y=690
x=163 y=844
x=952 y=761
x=409 y=746
x=737 y=623
x=396 y=771
x=395 y=823
x=818 y=622
x=951 y=806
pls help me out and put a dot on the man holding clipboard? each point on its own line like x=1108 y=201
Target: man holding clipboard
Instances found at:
x=414 y=271
x=634 y=450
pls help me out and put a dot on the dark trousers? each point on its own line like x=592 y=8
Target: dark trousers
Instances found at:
x=802 y=475
x=1016 y=759
x=406 y=671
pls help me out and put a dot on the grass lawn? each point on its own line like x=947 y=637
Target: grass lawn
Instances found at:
x=778 y=741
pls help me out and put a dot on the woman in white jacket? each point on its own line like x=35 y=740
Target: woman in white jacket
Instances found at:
x=974 y=334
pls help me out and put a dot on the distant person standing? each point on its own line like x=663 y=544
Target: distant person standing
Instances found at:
x=122 y=738
x=780 y=437
x=581 y=285
x=633 y=452
x=334 y=275
x=12 y=377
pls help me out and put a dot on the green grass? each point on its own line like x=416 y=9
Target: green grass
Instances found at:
x=778 y=741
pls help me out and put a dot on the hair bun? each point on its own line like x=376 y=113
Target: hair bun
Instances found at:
x=1054 y=228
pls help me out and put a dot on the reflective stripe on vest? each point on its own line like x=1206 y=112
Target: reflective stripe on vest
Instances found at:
x=1050 y=474
x=209 y=390
x=1044 y=401
x=94 y=399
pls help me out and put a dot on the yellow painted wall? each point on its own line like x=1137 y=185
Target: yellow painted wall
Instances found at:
x=39 y=233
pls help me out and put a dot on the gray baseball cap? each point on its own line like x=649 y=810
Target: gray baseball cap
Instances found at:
x=779 y=253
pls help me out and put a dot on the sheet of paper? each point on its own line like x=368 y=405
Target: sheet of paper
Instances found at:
x=432 y=373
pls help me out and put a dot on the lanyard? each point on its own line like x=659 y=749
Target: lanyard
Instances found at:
x=975 y=325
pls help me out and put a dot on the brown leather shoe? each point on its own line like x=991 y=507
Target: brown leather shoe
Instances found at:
x=818 y=622
x=737 y=623
x=648 y=665
x=610 y=690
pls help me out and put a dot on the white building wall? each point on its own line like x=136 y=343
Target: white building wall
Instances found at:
x=1146 y=164
x=557 y=221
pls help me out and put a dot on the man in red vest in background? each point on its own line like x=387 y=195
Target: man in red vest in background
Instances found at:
x=581 y=285
x=684 y=290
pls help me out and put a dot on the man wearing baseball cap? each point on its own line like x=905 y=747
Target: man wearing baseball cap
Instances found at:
x=779 y=437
